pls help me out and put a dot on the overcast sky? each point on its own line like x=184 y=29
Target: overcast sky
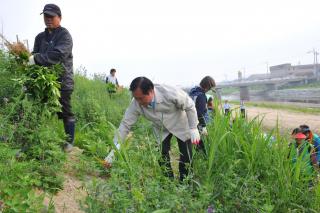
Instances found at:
x=176 y=41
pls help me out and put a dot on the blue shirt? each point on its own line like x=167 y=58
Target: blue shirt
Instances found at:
x=316 y=144
x=152 y=104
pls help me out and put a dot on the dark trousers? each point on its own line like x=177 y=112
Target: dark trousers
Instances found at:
x=66 y=115
x=65 y=101
x=185 y=148
x=201 y=147
x=243 y=113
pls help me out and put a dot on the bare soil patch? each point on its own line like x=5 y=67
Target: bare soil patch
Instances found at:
x=67 y=200
x=287 y=120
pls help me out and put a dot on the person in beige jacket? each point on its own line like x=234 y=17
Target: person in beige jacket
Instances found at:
x=172 y=113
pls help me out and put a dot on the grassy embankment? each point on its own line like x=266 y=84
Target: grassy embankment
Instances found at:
x=29 y=123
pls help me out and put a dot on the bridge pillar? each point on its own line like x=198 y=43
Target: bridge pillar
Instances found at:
x=244 y=93
x=218 y=92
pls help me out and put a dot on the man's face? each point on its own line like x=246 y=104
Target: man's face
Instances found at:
x=52 y=22
x=141 y=98
x=113 y=73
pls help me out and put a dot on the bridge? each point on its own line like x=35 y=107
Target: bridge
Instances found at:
x=270 y=83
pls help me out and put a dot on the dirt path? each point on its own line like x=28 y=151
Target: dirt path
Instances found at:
x=287 y=120
x=67 y=200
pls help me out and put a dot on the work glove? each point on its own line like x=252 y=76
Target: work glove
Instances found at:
x=108 y=160
x=195 y=136
x=110 y=157
x=204 y=131
x=31 y=60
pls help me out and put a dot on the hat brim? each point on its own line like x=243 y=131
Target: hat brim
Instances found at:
x=300 y=136
x=50 y=13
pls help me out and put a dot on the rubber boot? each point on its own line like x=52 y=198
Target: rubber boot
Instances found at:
x=69 y=127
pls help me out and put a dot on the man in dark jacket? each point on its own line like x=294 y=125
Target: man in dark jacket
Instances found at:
x=54 y=46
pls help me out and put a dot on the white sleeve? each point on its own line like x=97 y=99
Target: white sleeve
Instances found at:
x=130 y=118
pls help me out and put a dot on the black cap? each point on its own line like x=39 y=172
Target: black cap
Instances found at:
x=51 y=10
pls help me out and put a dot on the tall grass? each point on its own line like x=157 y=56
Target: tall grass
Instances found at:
x=95 y=110
x=92 y=103
x=24 y=126
x=245 y=170
x=251 y=171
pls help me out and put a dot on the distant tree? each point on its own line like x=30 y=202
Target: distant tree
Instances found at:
x=82 y=70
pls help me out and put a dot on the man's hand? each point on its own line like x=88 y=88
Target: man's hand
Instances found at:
x=195 y=136
x=109 y=159
x=31 y=60
x=204 y=131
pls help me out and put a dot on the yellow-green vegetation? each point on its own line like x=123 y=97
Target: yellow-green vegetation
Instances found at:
x=244 y=170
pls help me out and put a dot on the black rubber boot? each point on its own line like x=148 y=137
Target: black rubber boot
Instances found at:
x=69 y=127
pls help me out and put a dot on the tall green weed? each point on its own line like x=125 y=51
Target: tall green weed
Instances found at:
x=29 y=133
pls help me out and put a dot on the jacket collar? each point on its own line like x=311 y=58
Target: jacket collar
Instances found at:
x=157 y=95
x=52 y=31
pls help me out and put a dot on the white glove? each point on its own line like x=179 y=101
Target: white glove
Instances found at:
x=31 y=60
x=195 y=136
x=204 y=131
x=115 y=141
x=109 y=159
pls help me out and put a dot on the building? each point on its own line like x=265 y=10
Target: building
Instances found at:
x=287 y=70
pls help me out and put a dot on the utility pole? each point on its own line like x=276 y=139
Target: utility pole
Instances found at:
x=26 y=42
x=267 y=63
x=315 y=63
